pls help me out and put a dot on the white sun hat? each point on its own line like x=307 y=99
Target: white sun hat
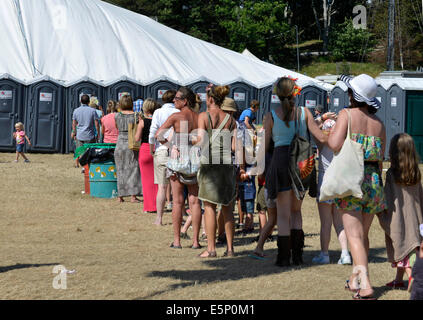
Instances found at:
x=364 y=89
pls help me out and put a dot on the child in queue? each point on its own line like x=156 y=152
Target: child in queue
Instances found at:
x=403 y=217
x=20 y=137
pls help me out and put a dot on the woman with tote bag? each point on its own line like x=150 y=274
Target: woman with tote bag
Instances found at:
x=358 y=213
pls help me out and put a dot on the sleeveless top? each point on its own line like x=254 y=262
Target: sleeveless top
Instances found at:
x=372 y=146
x=281 y=134
x=146 y=130
x=219 y=143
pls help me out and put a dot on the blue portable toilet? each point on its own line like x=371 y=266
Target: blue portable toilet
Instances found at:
x=73 y=100
x=242 y=93
x=11 y=110
x=45 y=115
x=200 y=89
x=381 y=95
x=313 y=95
x=268 y=101
x=115 y=89
x=338 y=97
x=395 y=113
x=157 y=89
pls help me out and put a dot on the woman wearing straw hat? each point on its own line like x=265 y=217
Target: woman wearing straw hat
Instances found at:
x=358 y=214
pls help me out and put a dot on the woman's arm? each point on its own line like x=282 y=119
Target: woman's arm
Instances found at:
x=268 y=126
x=337 y=136
x=138 y=134
x=314 y=128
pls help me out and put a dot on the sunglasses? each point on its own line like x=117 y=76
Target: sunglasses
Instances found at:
x=179 y=98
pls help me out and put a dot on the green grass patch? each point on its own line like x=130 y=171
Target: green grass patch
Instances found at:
x=323 y=68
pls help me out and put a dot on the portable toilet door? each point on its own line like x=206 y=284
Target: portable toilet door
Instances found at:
x=311 y=97
x=200 y=89
x=115 y=91
x=157 y=89
x=338 y=99
x=381 y=95
x=45 y=116
x=11 y=111
x=242 y=93
x=268 y=101
x=395 y=114
x=73 y=101
x=415 y=119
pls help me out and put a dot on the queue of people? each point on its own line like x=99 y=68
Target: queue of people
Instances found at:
x=203 y=156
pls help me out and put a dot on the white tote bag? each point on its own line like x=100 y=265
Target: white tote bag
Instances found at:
x=345 y=173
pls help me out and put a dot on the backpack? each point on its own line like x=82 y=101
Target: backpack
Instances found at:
x=301 y=168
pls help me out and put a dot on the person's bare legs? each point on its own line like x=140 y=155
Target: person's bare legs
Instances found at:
x=160 y=203
x=220 y=224
x=355 y=230
x=210 y=224
x=228 y=216
x=178 y=202
x=325 y=213
x=195 y=208
x=266 y=231
x=296 y=216
x=186 y=225
x=284 y=207
x=339 y=229
x=262 y=219
x=169 y=194
x=17 y=156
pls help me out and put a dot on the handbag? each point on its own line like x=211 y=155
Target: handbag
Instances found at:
x=132 y=129
x=301 y=167
x=345 y=173
x=187 y=164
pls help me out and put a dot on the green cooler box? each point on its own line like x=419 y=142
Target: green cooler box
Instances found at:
x=103 y=182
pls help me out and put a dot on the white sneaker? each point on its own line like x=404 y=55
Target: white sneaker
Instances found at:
x=344 y=259
x=321 y=259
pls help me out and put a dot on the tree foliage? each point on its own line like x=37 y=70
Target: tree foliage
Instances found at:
x=351 y=44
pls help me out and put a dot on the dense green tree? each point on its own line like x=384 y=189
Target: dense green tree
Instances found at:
x=351 y=44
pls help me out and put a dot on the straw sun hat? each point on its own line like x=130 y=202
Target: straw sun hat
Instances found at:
x=364 y=89
x=229 y=105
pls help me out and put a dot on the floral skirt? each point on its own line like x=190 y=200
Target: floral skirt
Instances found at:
x=373 y=200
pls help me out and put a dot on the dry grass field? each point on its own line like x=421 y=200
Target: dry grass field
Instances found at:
x=118 y=253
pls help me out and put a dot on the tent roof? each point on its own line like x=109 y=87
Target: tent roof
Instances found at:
x=70 y=40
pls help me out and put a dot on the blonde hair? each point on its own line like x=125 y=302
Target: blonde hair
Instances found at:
x=404 y=160
x=284 y=89
x=19 y=125
x=218 y=93
x=149 y=106
x=93 y=102
x=126 y=103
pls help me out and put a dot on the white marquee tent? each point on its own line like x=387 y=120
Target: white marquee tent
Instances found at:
x=70 y=40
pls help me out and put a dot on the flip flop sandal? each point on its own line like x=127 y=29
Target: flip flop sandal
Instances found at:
x=357 y=296
x=175 y=247
x=256 y=255
x=347 y=287
x=211 y=254
x=229 y=254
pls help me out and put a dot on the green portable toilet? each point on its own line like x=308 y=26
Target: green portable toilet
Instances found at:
x=414 y=103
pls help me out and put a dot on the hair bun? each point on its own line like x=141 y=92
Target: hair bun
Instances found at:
x=222 y=91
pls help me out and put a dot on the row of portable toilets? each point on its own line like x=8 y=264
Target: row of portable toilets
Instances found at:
x=45 y=107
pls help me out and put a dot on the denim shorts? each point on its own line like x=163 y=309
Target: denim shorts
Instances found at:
x=20 y=147
x=247 y=206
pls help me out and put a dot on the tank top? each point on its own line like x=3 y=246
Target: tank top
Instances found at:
x=146 y=130
x=282 y=135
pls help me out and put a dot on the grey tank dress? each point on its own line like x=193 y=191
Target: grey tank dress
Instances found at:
x=127 y=167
